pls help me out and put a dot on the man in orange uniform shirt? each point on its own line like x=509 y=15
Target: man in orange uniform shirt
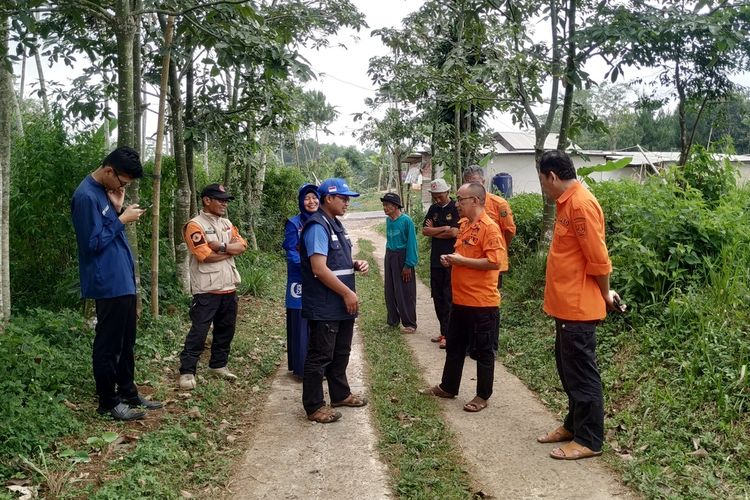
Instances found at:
x=577 y=295
x=498 y=209
x=479 y=257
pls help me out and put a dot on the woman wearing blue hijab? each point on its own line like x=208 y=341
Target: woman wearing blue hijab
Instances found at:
x=296 y=325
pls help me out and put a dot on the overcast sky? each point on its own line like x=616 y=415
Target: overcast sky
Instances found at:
x=343 y=70
x=344 y=78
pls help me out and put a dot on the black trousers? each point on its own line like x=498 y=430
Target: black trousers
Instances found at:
x=440 y=290
x=496 y=339
x=575 y=356
x=206 y=308
x=113 y=356
x=327 y=354
x=472 y=329
x=400 y=297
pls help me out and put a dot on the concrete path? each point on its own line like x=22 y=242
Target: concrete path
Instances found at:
x=291 y=458
x=499 y=443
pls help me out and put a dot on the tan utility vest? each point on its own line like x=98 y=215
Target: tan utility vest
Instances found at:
x=219 y=276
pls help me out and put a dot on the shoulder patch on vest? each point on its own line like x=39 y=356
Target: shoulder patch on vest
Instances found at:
x=197 y=239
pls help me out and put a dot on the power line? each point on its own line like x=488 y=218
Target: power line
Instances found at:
x=348 y=83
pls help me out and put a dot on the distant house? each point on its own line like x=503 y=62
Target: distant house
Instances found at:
x=514 y=154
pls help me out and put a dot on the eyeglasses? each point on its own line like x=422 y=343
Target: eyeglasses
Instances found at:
x=223 y=202
x=122 y=184
x=343 y=198
x=459 y=199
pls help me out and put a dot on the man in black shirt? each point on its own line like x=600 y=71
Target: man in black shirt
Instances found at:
x=441 y=224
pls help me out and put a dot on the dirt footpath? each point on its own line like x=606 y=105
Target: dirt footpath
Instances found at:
x=291 y=458
x=499 y=443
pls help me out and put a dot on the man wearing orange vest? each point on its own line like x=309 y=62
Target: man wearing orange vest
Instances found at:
x=213 y=242
x=479 y=257
x=577 y=296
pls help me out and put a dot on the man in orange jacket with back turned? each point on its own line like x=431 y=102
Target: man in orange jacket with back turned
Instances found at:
x=577 y=295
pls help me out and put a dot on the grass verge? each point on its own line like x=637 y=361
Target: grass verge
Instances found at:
x=186 y=449
x=665 y=433
x=414 y=441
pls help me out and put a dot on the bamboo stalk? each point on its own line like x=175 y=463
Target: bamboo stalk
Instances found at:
x=157 y=170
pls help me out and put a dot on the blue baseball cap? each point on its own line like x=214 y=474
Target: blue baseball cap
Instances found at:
x=335 y=186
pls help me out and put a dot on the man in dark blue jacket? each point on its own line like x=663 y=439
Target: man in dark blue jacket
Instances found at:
x=329 y=303
x=107 y=274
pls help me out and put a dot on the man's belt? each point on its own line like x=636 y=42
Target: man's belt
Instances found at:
x=343 y=272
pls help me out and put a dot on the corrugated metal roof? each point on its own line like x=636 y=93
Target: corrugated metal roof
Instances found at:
x=522 y=141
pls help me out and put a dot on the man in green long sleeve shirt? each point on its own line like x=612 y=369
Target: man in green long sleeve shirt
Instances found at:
x=400 y=260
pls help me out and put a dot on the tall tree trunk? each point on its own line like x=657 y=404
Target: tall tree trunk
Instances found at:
x=681 y=114
x=105 y=130
x=22 y=83
x=234 y=96
x=296 y=151
x=144 y=122
x=570 y=69
x=6 y=94
x=138 y=124
x=182 y=200
x=457 y=141
x=317 y=145
x=190 y=126
x=139 y=127
x=543 y=129
x=19 y=100
x=42 y=83
x=166 y=68
x=17 y=114
x=125 y=28
x=205 y=154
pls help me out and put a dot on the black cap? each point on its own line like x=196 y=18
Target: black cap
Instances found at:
x=217 y=192
x=392 y=198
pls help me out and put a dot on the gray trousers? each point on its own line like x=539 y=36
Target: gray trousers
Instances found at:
x=400 y=297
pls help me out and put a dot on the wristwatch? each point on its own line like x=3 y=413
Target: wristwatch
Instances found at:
x=223 y=248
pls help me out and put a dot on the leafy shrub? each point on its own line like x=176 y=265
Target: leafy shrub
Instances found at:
x=711 y=176
x=46 y=167
x=258 y=270
x=279 y=203
x=527 y=214
x=662 y=237
x=42 y=363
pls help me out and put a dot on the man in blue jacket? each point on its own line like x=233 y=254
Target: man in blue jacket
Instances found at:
x=107 y=274
x=329 y=303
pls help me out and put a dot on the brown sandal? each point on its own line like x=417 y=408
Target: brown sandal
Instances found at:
x=557 y=436
x=476 y=405
x=438 y=391
x=573 y=451
x=324 y=415
x=351 y=401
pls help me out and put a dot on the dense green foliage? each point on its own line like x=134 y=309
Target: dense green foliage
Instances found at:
x=45 y=360
x=674 y=367
x=49 y=399
x=46 y=168
x=624 y=120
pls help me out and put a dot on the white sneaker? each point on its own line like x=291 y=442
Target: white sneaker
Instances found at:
x=223 y=372
x=187 y=381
